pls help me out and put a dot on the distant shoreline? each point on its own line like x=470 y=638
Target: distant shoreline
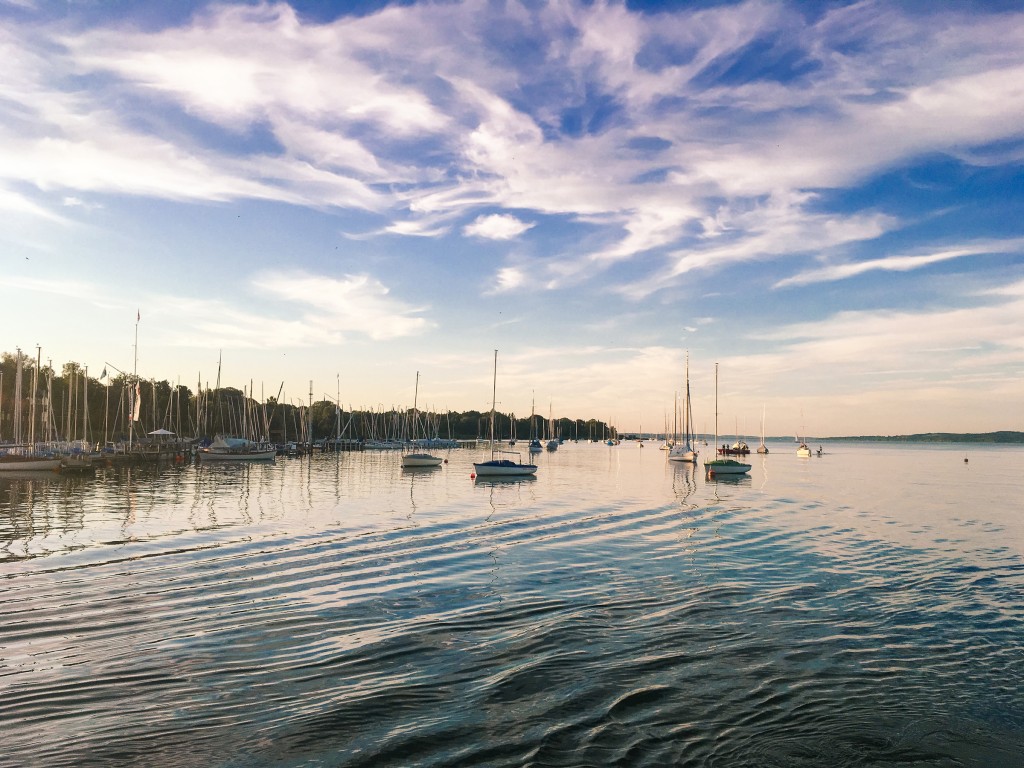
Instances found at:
x=1004 y=437
x=994 y=438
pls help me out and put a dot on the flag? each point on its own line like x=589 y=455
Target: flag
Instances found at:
x=104 y=374
x=138 y=403
x=138 y=315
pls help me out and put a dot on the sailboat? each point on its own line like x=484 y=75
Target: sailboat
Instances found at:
x=723 y=466
x=498 y=466
x=762 y=448
x=803 y=451
x=535 y=446
x=418 y=459
x=23 y=457
x=686 y=452
x=552 y=443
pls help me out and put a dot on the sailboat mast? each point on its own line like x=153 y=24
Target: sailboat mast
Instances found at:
x=716 y=406
x=415 y=402
x=85 y=404
x=135 y=381
x=18 y=373
x=688 y=414
x=494 y=396
x=32 y=405
x=675 y=418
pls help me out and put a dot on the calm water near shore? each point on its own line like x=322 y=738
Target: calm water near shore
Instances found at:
x=863 y=608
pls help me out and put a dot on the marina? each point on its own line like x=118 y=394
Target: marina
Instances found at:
x=269 y=495
x=860 y=608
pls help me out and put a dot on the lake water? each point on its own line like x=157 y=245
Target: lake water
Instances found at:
x=863 y=608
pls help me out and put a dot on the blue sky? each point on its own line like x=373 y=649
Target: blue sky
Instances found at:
x=824 y=198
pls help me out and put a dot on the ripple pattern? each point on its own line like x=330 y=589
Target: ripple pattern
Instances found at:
x=337 y=611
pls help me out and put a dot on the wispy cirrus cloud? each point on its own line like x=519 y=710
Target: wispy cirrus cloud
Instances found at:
x=349 y=113
x=899 y=338
x=337 y=306
x=898 y=263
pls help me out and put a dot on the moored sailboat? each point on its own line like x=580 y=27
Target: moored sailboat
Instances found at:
x=419 y=459
x=225 y=448
x=552 y=443
x=21 y=457
x=762 y=448
x=498 y=466
x=535 y=446
x=803 y=451
x=685 y=452
x=723 y=466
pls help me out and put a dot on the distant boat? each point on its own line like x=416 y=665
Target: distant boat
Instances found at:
x=28 y=462
x=497 y=466
x=553 y=442
x=21 y=457
x=803 y=451
x=685 y=451
x=723 y=466
x=762 y=448
x=236 y=449
x=535 y=446
x=739 y=448
x=418 y=459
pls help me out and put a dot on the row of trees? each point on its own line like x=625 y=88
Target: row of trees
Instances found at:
x=73 y=405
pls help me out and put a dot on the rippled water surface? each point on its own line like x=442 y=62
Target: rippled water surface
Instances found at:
x=857 y=609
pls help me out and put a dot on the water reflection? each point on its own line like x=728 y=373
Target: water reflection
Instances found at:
x=338 y=610
x=728 y=480
x=498 y=480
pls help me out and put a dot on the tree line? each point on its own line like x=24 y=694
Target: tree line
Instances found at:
x=73 y=404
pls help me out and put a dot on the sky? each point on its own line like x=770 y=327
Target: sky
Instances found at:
x=825 y=200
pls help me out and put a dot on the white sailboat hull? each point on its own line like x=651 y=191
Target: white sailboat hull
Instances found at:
x=421 y=460
x=726 y=467
x=503 y=468
x=679 y=453
x=207 y=454
x=28 y=463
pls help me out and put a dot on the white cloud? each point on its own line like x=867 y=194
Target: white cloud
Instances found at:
x=56 y=287
x=496 y=227
x=509 y=279
x=15 y=202
x=336 y=306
